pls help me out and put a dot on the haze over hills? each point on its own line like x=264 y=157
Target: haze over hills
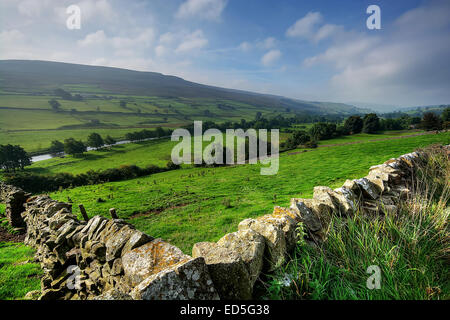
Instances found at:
x=42 y=77
x=385 y=108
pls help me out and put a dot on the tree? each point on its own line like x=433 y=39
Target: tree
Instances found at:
x=13 y=157
x=415 y=120
x=354 y=124
x=56 y=147
x=431 y=121
x=258 y=116
x=63 y=94
x=95 y=140
x=371 y=123
x=160 y=132
x=446 y=114
x=446 y=118
x=322 y=131
x=110 y=141
x=393 y=124
x=74 y=147
x=55 y=104
x=297 y=138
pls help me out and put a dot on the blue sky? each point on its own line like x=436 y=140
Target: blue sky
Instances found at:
x=312 y=50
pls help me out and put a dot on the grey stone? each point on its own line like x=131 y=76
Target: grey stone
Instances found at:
x=187 y=280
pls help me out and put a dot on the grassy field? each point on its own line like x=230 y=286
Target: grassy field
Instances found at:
x=201 y=204
x=364 y=137
x=17 y=276
x=156 y=153
x=28 y=119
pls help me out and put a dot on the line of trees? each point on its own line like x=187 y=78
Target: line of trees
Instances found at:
x=35 y=183
x=13 y=158
x=261 y=122
x=75 y=147
x=370 y=123
x=147 y=134
x=63 y=94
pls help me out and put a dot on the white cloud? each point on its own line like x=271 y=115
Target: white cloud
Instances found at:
x=270 y=57
x=9 y=36
x=206 y=9
x=408 y=65
x=160 y=51
x=245 y=46
x=304 y=27
x=96 y=38
x=346 y=52
x=143 y=38
x=15 y=45
x=95 y=9
x=192 y=41
x=326 y=31
x=268 y=43
x=167 y=38
x=265 y=44
x=31 y=8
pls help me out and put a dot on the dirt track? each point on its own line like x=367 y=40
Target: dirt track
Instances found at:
x=5 y=236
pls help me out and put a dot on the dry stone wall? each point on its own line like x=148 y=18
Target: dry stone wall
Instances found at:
x=109 y=259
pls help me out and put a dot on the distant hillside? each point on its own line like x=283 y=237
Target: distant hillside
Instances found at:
x=421 y=109
x=375 y=107
x=42 y=77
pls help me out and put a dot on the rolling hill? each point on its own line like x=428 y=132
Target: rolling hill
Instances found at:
x=42 y=77
x=112 y=101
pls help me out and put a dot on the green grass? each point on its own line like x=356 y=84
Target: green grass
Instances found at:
x=37 y=140
x=156 y=152
x=367 y=136
x=28 y=120
x=151 y=152
x=191 y=205
x=410 y=248
x=36 y=119
x=17 y=278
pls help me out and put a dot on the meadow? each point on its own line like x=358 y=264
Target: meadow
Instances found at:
x=201 y=204
x=157 y=152
x=28 y=120
x=17 y=276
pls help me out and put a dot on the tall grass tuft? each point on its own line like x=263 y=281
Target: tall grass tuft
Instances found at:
x=411 y=248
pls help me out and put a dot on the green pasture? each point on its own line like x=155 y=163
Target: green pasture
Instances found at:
x=202 y=204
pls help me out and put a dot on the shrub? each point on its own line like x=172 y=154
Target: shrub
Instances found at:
x=36 y=183
x=172 y=166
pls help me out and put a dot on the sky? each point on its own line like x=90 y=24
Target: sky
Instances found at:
x=309 y=50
